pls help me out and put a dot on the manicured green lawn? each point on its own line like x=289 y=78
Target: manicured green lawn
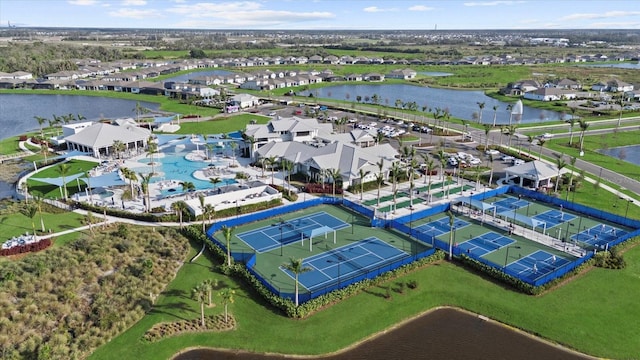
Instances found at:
x=595 y=313
x=18 y=223
x=221 y=125
x=9 y=145
x=40 y=188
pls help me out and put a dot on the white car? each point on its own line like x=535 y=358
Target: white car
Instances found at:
x=452 y=161
x=493 y=152
x=474 y=161
x=273 y=113
x=546 y=136
x=517 y=162
x=507 y=158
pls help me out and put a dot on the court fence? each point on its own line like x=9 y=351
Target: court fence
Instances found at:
x=344 y=281
x=400 y=224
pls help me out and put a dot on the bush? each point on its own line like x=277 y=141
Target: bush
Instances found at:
x=610 y=260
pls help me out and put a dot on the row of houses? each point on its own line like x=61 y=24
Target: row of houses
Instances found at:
x=567 y=89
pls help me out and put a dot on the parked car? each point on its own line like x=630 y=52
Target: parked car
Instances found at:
x=493 y=152
x=452 y=161
x=273 y=113
x=517 y=162
x=425 y=129
x=507 y=158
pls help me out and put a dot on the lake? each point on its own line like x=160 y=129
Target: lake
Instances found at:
x=625 y=65
x=629 y=153
x=443 y=334
x=17 y=111
x=461 y=103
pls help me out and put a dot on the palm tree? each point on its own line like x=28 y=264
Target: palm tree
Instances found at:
x=139 y=110
x=561 y=164
x=443 y=161
x=199 y=294
x=572 y=122
x=38 y=201
x=227 y=298
x=509 y=109
x=530 y=139
x=511 y=130
x=380 y=177
x=118 y=147
x=430 y=166
x=481 y=106
x=179 y=207
x=541 y=144
x=335 y=177
x=202 y=206
x=209 y=210
x=272 y=161
x=227 y=232
x=131 y=176
x=584 y=125
x=40 y=121
x=63 y=169
x=44 y=149
x=295 y=266
x=234 y=146
x=145 y=180
x=452 y=221
x=209 y=284
x=411 y=167
x=152 y=148
x=287 y=168
x=30 y=212
x=380 y=138
x=362 y=173
x=187 y=186
x=495 y=114
x=81 y=117
x=487 y=130
x=89 y=219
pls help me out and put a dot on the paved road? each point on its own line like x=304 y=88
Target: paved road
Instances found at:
x=595 y=171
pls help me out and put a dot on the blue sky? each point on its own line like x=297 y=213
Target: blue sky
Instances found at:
x=324 y=14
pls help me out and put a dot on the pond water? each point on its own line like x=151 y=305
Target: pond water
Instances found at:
x=17 y=111
x=434 y=73
x=625 y=65
x=443 y=334
x=189 y=76
x=627 y=153
x=461 y=104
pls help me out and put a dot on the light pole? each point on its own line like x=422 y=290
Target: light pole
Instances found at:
x=280 y=224
x=506 y=257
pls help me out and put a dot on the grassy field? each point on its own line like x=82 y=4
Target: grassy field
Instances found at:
x=39 y=188
x=578 y=314
x=221 y=124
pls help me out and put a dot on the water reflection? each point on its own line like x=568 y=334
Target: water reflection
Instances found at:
x=461 y=103
x=443 y=334
x=627 y=153
x=19 y=110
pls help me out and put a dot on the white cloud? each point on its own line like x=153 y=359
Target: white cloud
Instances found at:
x=135 y=13
x=420 y=8
x=493 y=3
x=606 y=15
x=374 y=9
x=134 y=2
x=615 y=25
x=83 y=2
x=240 y=14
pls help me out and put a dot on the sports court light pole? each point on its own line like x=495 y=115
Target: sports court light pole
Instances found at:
x=506 y=257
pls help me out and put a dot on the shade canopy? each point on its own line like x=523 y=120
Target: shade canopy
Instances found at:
x=57 y=181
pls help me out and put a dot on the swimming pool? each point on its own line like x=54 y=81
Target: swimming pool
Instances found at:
x=174 y=166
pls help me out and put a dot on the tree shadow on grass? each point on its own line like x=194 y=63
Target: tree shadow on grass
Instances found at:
x=379 y=291
x=173 y=309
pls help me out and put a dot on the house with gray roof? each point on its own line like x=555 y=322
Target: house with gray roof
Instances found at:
x=97 y=140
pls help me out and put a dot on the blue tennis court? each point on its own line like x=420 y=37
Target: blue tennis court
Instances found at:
x=282 y=233
x=346 y=261
x=599 y=235
x=554 y=217
x=440 y=226
x=509 y=203
x=485 y=243
x=536 y=265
